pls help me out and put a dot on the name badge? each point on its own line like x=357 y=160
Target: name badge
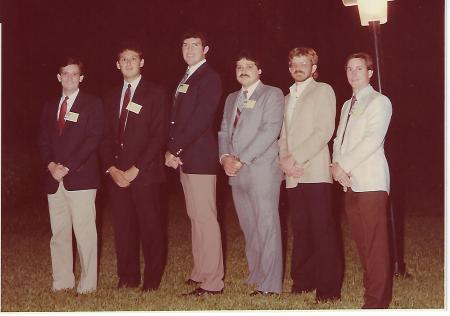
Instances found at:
x=134 y=107
x=249 y=104
x=183 y=88
x=72 y=116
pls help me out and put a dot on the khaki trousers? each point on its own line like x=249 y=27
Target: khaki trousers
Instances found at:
x=367 y=216
x=73 y=209
x=200 y=194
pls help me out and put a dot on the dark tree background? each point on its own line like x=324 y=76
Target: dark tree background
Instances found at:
x=35 y=33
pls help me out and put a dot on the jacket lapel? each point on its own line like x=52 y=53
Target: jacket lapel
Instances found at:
x=300 y=102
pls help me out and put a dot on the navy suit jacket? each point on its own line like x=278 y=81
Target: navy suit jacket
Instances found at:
x=76 y=147
x=144 y=136
x=192 y=131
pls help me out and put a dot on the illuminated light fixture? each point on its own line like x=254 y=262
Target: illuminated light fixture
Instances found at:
x=370 y=10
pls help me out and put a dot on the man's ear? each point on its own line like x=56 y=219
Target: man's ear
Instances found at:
x=59 y=77
x=141 y=64
x=370 y=73
x=205 y=50
x=81 y=78
x=117 y=65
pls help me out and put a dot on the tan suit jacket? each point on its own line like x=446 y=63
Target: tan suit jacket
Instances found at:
x=361 y=153
x=307 y=134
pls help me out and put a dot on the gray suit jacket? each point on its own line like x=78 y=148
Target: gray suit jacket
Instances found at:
x=254 y=140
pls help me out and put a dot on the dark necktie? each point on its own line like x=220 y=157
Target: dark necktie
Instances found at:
x=62 y=114
x=124 y=113
x=183 y=80
x=352 y=102
x=238 y=109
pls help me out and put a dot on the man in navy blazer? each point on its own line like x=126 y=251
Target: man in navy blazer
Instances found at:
x=71 y=129
x=193 y=147
x=132 y=155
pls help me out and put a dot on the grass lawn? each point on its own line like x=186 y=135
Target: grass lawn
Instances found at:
x=26 y=269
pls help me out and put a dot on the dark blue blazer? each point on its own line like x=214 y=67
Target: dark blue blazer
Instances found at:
x=145 y=133
x=76 y=147
x=192 y=130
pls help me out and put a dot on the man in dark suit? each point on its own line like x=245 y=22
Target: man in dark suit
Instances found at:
x=193 y=146
x=132 y=155
x=71 y=129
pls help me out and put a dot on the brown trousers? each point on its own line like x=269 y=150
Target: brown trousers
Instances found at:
x=200 y=194
x=366 y=213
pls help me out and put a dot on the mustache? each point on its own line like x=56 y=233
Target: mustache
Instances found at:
x=243 y=75
x=298 y=72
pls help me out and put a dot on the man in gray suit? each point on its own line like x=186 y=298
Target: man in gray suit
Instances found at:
x=248 y=152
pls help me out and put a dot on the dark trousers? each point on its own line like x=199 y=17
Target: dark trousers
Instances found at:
x=366 y=213
x=137 y=220
x=317 y=261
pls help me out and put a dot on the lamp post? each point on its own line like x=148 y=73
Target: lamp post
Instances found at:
x=373 y=13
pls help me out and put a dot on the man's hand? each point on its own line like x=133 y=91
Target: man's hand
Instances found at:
x=131 y=174
x=286 y=163
x=118 y=177
x=57 y=171
x=172 y=161
x=340 y=175
x=296 y=171
x=231 y=165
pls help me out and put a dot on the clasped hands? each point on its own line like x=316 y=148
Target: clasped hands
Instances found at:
x=340 y=175
x=231 y=165
x=172 y=161
x=290 y=167
x=57 y=170
x=123 y=178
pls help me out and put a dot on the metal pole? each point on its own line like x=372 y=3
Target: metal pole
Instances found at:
x=375 y=25
x=399 y=267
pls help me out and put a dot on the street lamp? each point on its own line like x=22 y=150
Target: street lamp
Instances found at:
x=373 y=13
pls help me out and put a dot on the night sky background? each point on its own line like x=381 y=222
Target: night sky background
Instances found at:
x=36 y=33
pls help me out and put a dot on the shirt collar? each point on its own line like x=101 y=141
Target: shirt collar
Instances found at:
x=364 y=91
x=134 y=83
x=192 y=69
x=251 y=89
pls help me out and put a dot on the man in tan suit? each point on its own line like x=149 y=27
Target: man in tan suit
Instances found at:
x=304 y=158
x=360 y=166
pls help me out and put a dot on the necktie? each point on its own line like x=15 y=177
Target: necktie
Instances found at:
x=62 y=114
x=352 y=102
x=238 y=109
x=183 y=80
x=124 y=113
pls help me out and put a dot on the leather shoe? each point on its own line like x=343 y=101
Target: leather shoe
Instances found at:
x=295 y=290
x=258 y=292
x=191 y=282
x=149 y=288
x=200 y=292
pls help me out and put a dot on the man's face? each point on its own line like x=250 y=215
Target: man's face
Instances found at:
x=357 y=74
x=247 y=73
x=130 y=64
x=70 y=78
x=193 y=51
x=301 y=68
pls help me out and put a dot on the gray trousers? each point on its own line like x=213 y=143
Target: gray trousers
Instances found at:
x=257 y=209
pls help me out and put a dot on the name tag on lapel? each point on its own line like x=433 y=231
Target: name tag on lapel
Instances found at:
x=249 y=104
x=183 y=88
x=134 y=107
x=72 y=117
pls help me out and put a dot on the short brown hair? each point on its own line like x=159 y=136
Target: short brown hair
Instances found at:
x=366 y=57
x=249 y=55
x=304 y=51
x=132 y=45
x=195 y=34
x=71 y=60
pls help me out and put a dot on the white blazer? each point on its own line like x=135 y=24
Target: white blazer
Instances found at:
x=361 y=153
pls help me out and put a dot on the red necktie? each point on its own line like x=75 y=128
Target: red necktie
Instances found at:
x=62 y=114
x=124 y=112
x=352 y=102
x=238 y=111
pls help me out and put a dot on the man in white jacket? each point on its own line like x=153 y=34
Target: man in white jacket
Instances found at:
x=360 y=166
